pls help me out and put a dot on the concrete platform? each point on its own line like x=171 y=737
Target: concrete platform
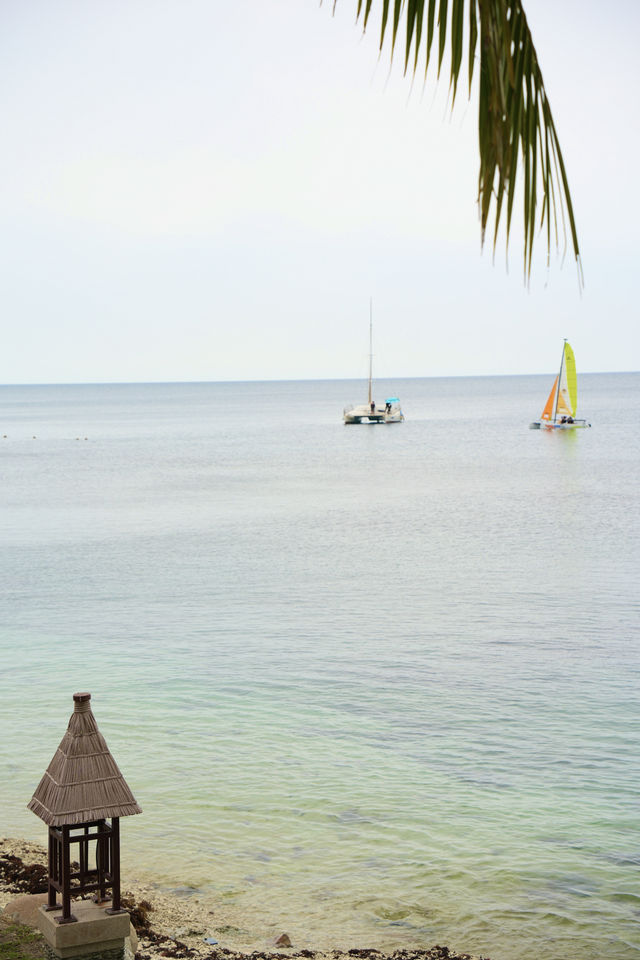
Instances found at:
x=96 y=932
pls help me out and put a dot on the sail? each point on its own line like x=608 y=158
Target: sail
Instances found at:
x=547 y=413
x=563 y=399
x=568 y=387
x=572 y=381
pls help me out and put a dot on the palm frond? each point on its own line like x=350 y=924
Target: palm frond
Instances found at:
x=515 y=125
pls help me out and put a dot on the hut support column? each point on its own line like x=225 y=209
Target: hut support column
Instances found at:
x=51 y=890
x=67 y=916
x=103 y=860
x=115 y=867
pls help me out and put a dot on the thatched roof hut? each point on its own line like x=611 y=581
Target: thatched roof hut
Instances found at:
x=82 y=783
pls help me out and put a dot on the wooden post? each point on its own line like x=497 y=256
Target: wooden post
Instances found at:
x=102 y=861
x=115 y=866
x=67 y=916
x=83 y=856
x=51 y=890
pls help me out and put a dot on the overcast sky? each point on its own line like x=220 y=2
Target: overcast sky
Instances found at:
x=204 y=190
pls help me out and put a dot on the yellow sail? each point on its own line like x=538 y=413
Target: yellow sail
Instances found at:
x=572 y=380
x=547 y=413
x=567 y=392
x=563 y=399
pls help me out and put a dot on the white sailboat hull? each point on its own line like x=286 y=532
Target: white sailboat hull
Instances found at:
x=364 y=414
x=549 y=425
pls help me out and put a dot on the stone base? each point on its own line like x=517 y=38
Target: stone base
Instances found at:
x=95 y=934
x=120 y=954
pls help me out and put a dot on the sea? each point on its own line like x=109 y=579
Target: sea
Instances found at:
x=373 y=686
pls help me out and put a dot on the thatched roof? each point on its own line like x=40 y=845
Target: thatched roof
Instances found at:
x=82 y=783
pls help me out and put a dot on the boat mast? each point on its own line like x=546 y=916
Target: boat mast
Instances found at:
x=555 y=409
x=370 y=346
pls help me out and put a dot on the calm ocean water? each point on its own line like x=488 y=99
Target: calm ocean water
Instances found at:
x=374 y=686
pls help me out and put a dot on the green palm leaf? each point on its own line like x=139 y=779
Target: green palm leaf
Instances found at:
x=515 y=125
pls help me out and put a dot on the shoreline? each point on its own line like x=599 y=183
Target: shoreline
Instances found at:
x=168 y=925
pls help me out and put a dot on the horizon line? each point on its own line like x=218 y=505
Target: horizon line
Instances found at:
x=442 y=376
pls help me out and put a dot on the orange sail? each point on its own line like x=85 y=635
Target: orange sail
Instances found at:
x=547 y=413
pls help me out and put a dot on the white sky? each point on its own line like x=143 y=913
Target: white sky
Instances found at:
x=205 y=190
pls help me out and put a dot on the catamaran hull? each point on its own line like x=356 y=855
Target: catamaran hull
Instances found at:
x=358 y=415
x=365 y=419
x=349 y=420
x=543 y=425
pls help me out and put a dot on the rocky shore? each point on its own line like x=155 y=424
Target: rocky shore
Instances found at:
x=168 y=926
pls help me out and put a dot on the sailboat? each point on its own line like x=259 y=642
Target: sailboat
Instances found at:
x=371 y=412
x=560 y=409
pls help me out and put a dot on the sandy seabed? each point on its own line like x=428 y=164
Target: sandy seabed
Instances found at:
x=169 y=926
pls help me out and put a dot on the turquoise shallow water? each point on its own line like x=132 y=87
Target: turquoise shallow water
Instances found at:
x=371 y=685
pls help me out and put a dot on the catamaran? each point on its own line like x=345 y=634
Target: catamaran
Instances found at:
x=371 y=412
x=560 y=409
